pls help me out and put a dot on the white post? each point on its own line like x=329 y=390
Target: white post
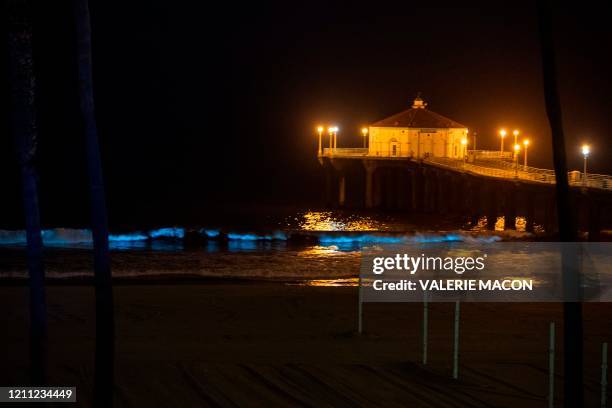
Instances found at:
x=360 y=308
x=604 y=375
x=584 y=174
x=425 y=327
x=456 y=343
x=551 y=366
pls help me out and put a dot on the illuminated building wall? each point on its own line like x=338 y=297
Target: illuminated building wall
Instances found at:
x=417 y=132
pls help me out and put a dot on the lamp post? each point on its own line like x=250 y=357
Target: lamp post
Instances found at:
x=526 y=144
x=335 y=138
x=464 y=143
x=332 y=131
x=502 y=134
x=364 y=133
x=515 y=132
x=586 y=150
x=517 y=149
x=320 y=132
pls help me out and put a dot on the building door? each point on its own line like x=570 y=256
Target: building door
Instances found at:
x=394 y=148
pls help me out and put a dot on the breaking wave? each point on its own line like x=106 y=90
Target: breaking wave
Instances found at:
x=83 y=237
x=68 y=237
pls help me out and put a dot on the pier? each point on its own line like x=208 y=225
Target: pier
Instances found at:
x=418 y=161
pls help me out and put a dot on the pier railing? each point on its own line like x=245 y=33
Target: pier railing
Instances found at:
x=489 y=154
x=488 y=163
x=508 y=170
x=345 y=152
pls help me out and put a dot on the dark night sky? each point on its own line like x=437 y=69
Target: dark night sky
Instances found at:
x=200 y=105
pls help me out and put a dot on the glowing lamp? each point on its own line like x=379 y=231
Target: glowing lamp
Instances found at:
x=586 y=149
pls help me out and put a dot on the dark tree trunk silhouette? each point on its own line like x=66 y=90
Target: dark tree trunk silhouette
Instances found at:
x=572 y=336
x=105 y=325
x=23 y=120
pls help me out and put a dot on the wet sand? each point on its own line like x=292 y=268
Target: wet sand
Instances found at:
x=272 y=344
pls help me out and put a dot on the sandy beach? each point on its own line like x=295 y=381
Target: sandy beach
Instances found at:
x=274 y=344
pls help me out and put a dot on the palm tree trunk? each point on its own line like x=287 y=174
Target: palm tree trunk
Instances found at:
x=573 y=347
x=105 y=325
x=23 y=121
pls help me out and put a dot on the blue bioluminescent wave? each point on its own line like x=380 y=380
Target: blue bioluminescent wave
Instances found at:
x=51 y=237
x=12 y=237
x=382 y=239
x=210 y=233
x=276 y=236
x=171 y=232
x=361 y=239
x=137 y=236
x=66 y=236
x=426 y=239
x=70 y=236
x=80 y=237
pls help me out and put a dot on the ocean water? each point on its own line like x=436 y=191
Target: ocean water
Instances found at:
x=307 y=245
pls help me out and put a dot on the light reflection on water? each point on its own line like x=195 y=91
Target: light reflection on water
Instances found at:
x=328 y=221
x=319 y=251
x=520 y=225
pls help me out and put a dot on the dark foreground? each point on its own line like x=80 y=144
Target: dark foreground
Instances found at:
x=240 y=344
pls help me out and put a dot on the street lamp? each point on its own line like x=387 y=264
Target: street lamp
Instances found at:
x=320 y=132
x=515 y=132
x=517 y=149
x=333 y=141
x=364 y=132
x=502 y=134
x=331 y=131
x=526 y=144
x=586 y=150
